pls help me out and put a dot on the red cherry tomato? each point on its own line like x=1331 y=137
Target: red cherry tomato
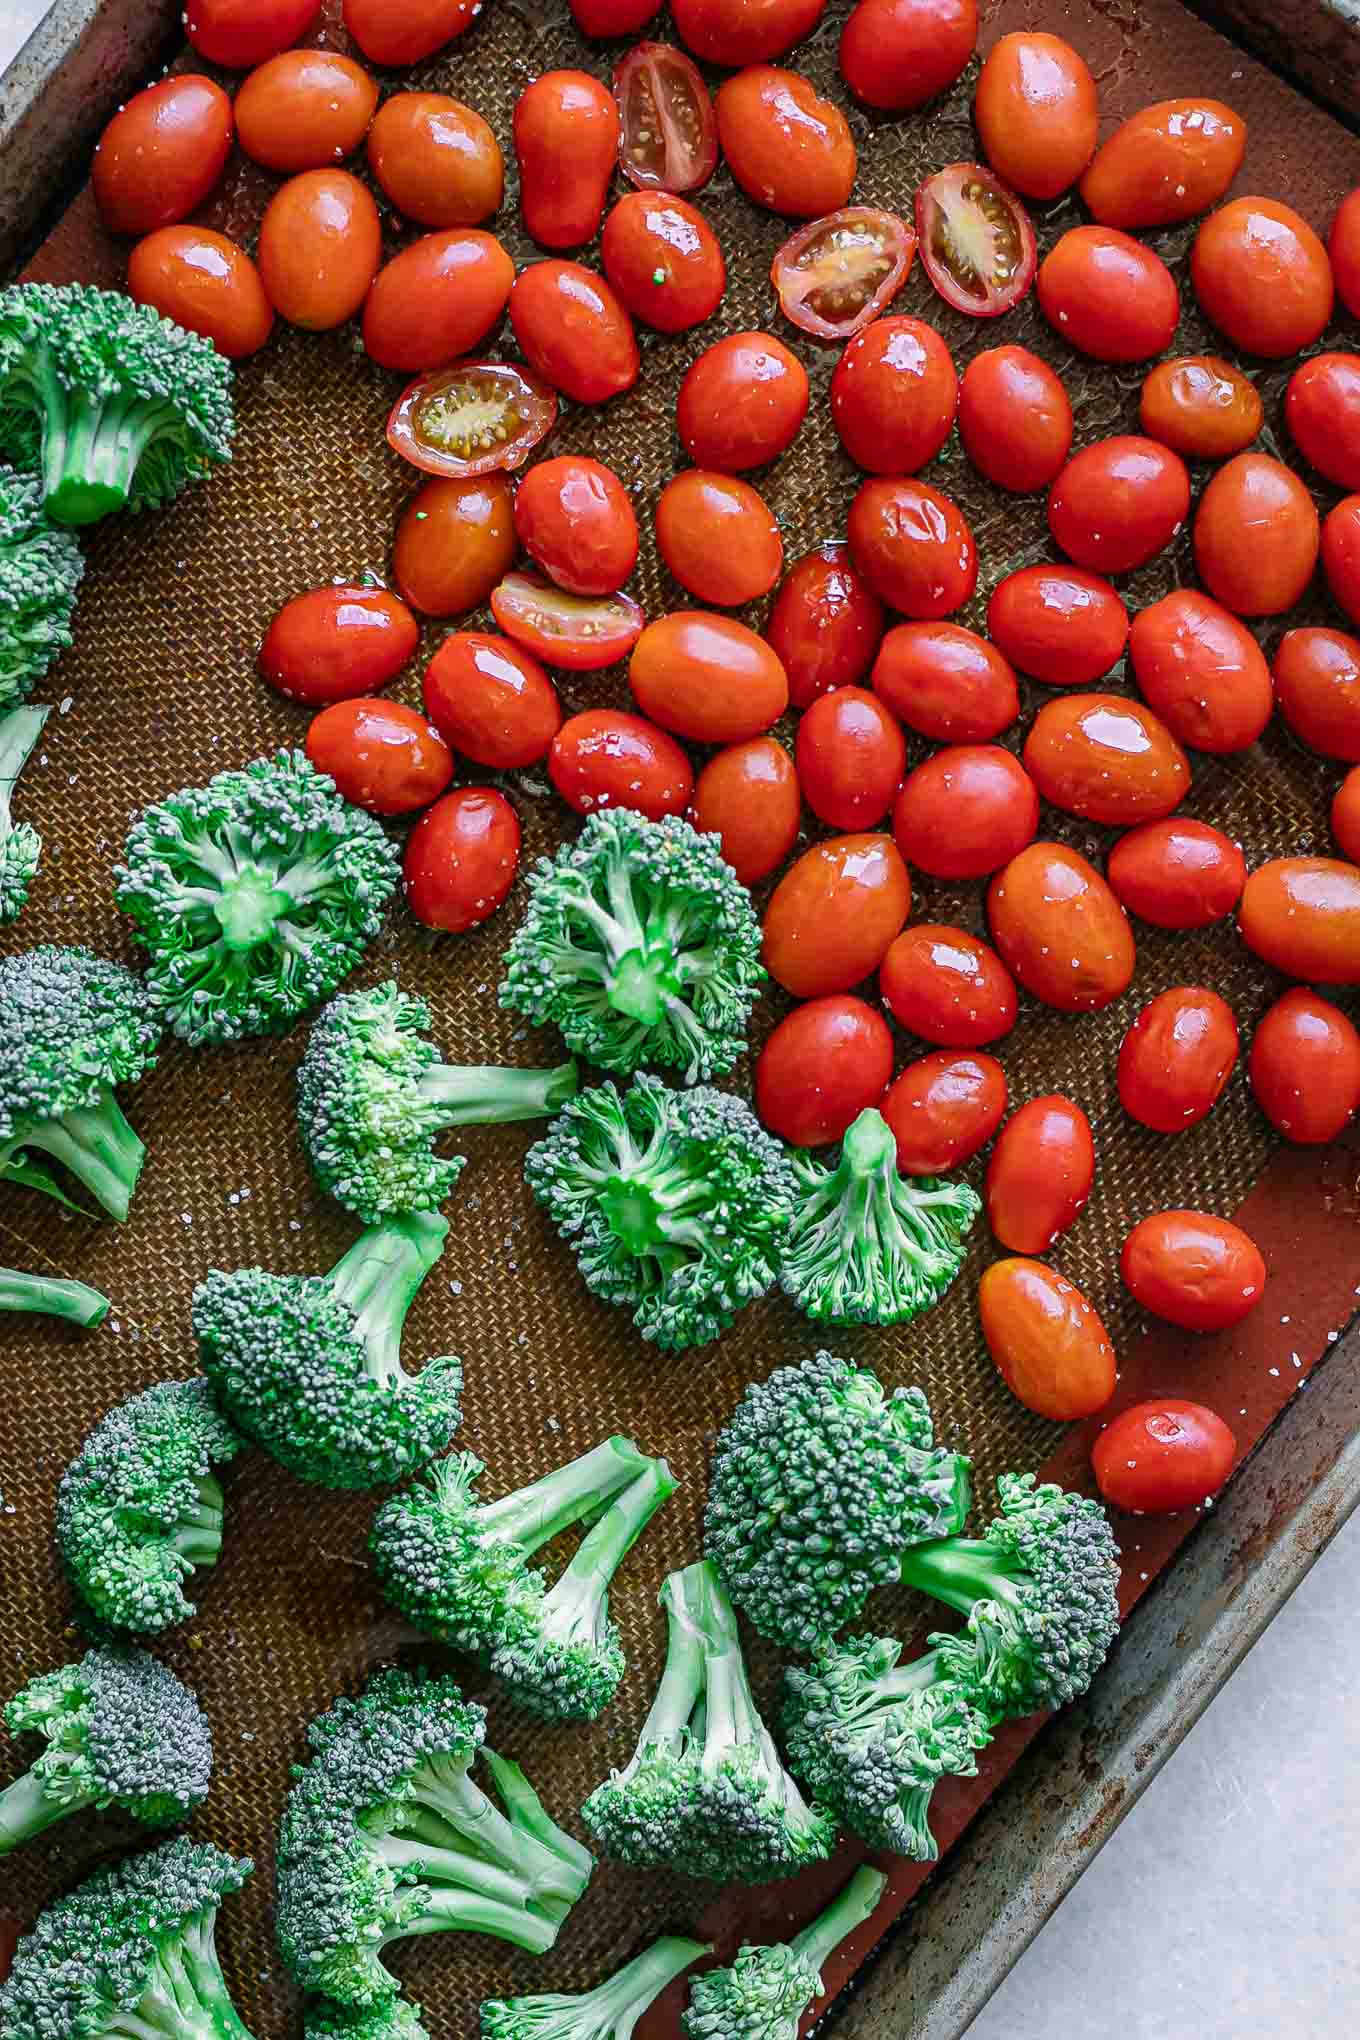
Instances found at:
x=381 y=755
x=1059 y=624
x=1106 y=759
x=1343 y=248
x=1176 y=1058
x=741 y=403
x=471 y=419
x=408 y=33
x=1199 y=1272
x=1049 y=1344
x=945 y=682
x=893 y=396
x=304 y=109
x=1340 y=547
x=1317 y=684
x=836 y=274
x=1167 y=163
x=1177 y=874
x=1322 y=411
x=604 y=758
x=942 y=1109
x=897 y=54
x=718 y=537
x=1015 y=418
x=824 y=1064
x=735 y=32
x=454 y=541
x=436 y=159
x=1161 y=1457
x=161 y=154
x=573 y=517
x=1345 y=816
x=965 y=812
x=574 y=331
x=834 y=913
x=205 y=283
x=1060 y=929
x=1108 y=296
x=947 y=986
x=1256 y=536
x=787 y=148
x=491 y=701
x=1036 y=113
x=826 y=624
x=566 y=134
x=580 y=633
x=913 y=546
x=239 y=33
x=334 y=644
x=748 y=796
x=437 y=299
x=707 y=678
x=1118 y=503
x=1262 y=275
x=319 y=249
x=977 y=240
x=461 y=858
x=668 y=137
x=1304 y=1068
x=1039 y=1178
x=1201 y=671
x=851 y=756
x=1301 y=915
x=1200 y=406
x=663 y=259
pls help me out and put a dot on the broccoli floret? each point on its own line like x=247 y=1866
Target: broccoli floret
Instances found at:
x=676 y=1203
x=309 y=1366
x=72 y=1025
x=119 y=408
x=49 y=1295
x=254 y=896
x=609 y=2012
x=641 y=945
x=386 y=1836
x=373 y=1097
x=765 y=1992
x=139 y=1507
x=130 y=1952
x=121 y=1731
x=40 y=571
x=705 y=1791
x=869 y=1246
x=20 y=843
x=389 y=2019
x=818 y=1481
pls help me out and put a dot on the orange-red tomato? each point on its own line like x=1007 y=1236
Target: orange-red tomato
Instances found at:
x=606 y=758
x=382 y=755
x=1301 y=915
x=718 y=537
x=1040 y=1174
x=1036 y=113
x=474 y=418
x=834 y=275
x=663 y=259
x=304 y=109
x=1201 y=671
x=851 y=756
x=581 y=633
x=1161 y=1457
x=573 y=516
x=205 y=283
x=893 y=396
x=966 y=811
x=897 y=54
x=913 y=546
x=566 y=133
x=409 y=32
x=734 y=32
x=1176 y=1058
x=787 y=148
x=436 y=159
x=334 y=644
x=1256 y=536
x=574 y=331
x=1049 y=1344
x=1304 y=1068
x=942 y=1109
x=1340 y=550
x=1059 y=624
x=435 y=301
x=461 y=858
x=825 y=1063
x=319 y=249
x=834 y=913
x=1106 y=759
x=1343 y=249
x=1165 y=164
x=455 y=540
x=161 y=154
x=1345 y=816
x=239 y=33
x=1322 y=411
x=1194 y=1270
x=826 y=624
x=707 y=678
x=748 y=796
x=1317 y=684
x=491 y=701
x=1108 y=295
x=977 y=241
x=947 y=986
x=1177 y=874
x=741 y=402
x=1060 y=929
x=1118 y=503
x=1201 y=406
x=668 y=140
x=1015 y=418
x=946 y=682
x=1262 y=275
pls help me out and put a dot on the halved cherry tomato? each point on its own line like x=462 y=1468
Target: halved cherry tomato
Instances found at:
x=897 y=54
x=334 y=644
x=1015 y=418
x=913 y=546
x=1262 y=275
x=1322 y=411
x=1107 y=759
x=946 y=682
x=1201 y=671
x=1060 y=929
x=1345 y=816
x=461 y=859
x=579 y=633
x=786 y=147
x=826 y=624
x=1036 y=112
x=566 y=133
x=825 y=1063
x=741 y=402
x=382 y=755
x=407 y=33
x=1059 y=624
x=707 y=678
x=1196 y=1271
x=437 y=299
x=1176 y=1058
x=1201 y=406
x=1301 y=915
x=1052 y=1350
x=1256 y=536
x=606 y=758
x=239 y=33
x=1177 y=874
x=663 y=259
x=1039 y=1177
x=836 y=274
x=1304 y=1068
x=304 y=109
x=161 y=154
x=947 y=986
x=436 y=159
x=966 y=811
x=1340 y=551
x=851 y=755
x=205 y=283
x=574 y=519
x=1118 y=503
x=472 y=419
x=319 y=248
x=1107 y=295
x=834 y=913
x=735 y=32
x=718 y=537
x=748 y=796
x=455 y=539
x=668 y=137
x=491 y=701
x=1343 y=249
x=574 y=331
x=1317 y=684
x=1165 y=164
x=1161 y=1457
x=943 y=1108
x=893 y=396
x=977 y=241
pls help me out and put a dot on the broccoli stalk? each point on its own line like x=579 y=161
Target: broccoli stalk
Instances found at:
x=765 y=1992
x=49 y=1295
x=40 y=571
x=20 y=843
x=609 y=2012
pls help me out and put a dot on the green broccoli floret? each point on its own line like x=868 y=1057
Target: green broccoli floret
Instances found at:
x=641 y=945
x=20 y=843
x=676 y=1203
x=40 y=571
x=139 y=1507
x=386 y=1836
x=765 y=1992
x=72 y=1025
x=130 y=1953
x=609 y=2012
x=50 y=1296
x=705 y=1791
x=389 y=2019
x=254 y=896
x=374 y=1096
x=121 y=1731
x=119 y=408
x=818 y=1482
x=309 y=1366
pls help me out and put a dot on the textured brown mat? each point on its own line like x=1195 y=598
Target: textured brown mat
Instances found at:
x=161 y=690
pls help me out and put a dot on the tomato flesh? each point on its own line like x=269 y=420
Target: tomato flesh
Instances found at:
x=669 y=136
x=836 y=274
x=977 y=241
x=472 y=418
x=577 y=632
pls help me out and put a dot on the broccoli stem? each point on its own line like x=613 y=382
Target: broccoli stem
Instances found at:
x=97 y=1145
x=960 y=1571
x=378 y=1280
x=198 y=1538
x=573 y=1609
x=643 y=976
x=842 y=1916
x=248 y=905
x=616 y=2006
x=91 y=448
x=20 y=730
x=529 y=1816
x=189 y=1999
x=534 y=1515
x=465 y=1912
x=456 y=1835
x=28 y=1809
x=473 y=1097
x=682 y=1678
x=76 y=1302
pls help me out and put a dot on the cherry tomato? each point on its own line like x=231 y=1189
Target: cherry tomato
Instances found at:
x=205 y=283
x=382 y=755
x=913 y=546
x=1346 y=816
x=826 y=624
x=461 y=858
x=1201 y=671
x=1317 y=684
x=1165 y=164
x=319 y=249
x=748 y=796
x=893 y=396
x=1039 y=1178
x=741 y=402
x=947 y=986
x=605 y=758
x=1343 y=248
x=977 y=241
x=851 y=756
x=1176 y=1058
x=1304 y=1068
x=1199 y=1272
x=663 y=259
x=834 y=913
x=239 y=33
x=574 y=331
x=668 y=137
x=1049 y=1344
x=897 y=54
x=1301 y=915
x=472 y=419
x=1341 y=554
x=566 y=133
x=161 y=154
x=404 y=34
x=1108 y=296
x=1060 y=929
x=735 y=32
x=1200 y=406
x=834 y=275
x=1161 y=1457
x=304 y=109
x=825 y=1063
x=437 y=299
x=946 y=682
x=1036 y=113
x=1118 y=503
x=1059 y=624
x=574 y=519
x=1322 y=411
x=942 y=1109
x=787 y=148
x=491 y=701
x=436 y=159
x=718 y=537
x=1015 y=418
x=580 y=633
x=334 y=644
x=707 y=678
x=1106 y=759
x=1262 y=275
x=1177 y=874
x=455 y=539
x=1256 y=536
x=965 y=812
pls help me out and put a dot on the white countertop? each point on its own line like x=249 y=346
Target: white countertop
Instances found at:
x=18 y=19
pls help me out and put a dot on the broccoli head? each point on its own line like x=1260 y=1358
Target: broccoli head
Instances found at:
x=676 y=1203
x=386 y=1836
x=20 y=843
x=139 y=1507
x=374 y=1096
x=609 y=2012
x=388 y=2019
x=51 y=1296
x=40 y=571
x=640 y=944
x=818 y=1482
x=253 y=896
x=118 y=407
x=765 y=1992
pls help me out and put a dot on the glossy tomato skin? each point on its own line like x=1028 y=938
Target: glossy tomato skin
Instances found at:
x=424 y=426
x=736 y=32
x=574 y=331
x=1322 y=411
x=490 y=701
x=319 y=250
x=1343 y=249
x=205 y=283
x=408 y=33
x=335 y=644
x=943 y=1108
x=1345 y=816
x=1036 y=113
x=382 y=755
x=461 y=858
x=748 y=796
x=966 y=811
x=1108 y=295
x=566 y=134
x=834 y=913
x=946 y=682
x=1118 y=503
x=851 y=755
x=787 y=148
x=947 y=986
x=436 y=159
x=1196 y=1271
x=1201 y=406
x=835 y=275
x=1059 y=624
x=1107 y=759
x=580 y=633
x=1162 y=1457
x=1304 y=1068
x=707 y=678
x=668 y=139
x=454 y=541
x=573 y=516
x=741 y=403
x=1040 y=1174
x=1317 y=684
x=1301 y=915
x=1176 y=1058
x=1015 y=419
x=826 y=624
x=1049 y=1343
x=161 y=154
x=1256 y=536
x=825 y=1063
x=977 y=241
x=718 y=537
x=1262 y=275
x=1165 y=164
x=894 y=394
x=606 y=758
x=435 y=300
x=1340 y=554
x=1201 y=671
x=663 y=259
x=239 y=33
x=304 y=109
x=1060 y=930
x=913 y=546
x=1177 y=873
x=897 y=54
